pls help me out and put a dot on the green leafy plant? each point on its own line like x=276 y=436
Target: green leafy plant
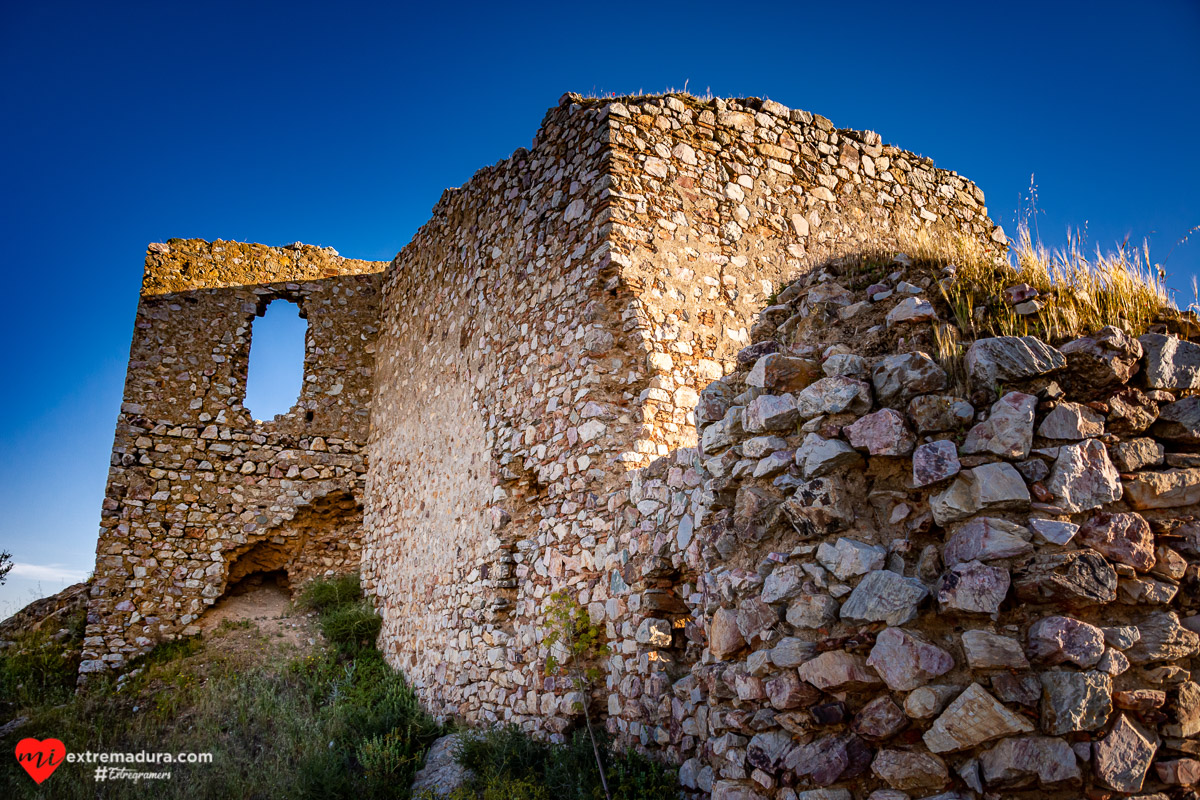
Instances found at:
x=40 y=667
x=386 y=755
x=570 y=630
x=331 y=722
x=351 y=627
x=324 y=594
x=508 y=763
x=347 y=619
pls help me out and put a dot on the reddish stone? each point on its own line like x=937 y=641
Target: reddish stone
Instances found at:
x=1106 y=359
x=879 y=719
x=1182 y=772
x=935 y=461
x=1055 y=640
x=724 y=638
x=830 y=759
x=1008 y=430
x=906 y=662
x=973 y=588
x=1139 y=699
x=786 y=690
x=1123 y=537
x=1122 y=758
x=884 y=433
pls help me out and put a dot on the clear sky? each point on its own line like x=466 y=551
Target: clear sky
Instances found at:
x=339 y=124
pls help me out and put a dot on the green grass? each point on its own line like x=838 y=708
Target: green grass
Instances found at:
x=324 y=595
x=40 y=669
x=337 y=722
x=351 y=627
x=507 y=763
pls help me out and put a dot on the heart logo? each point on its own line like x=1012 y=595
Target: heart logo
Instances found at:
x=40 y=759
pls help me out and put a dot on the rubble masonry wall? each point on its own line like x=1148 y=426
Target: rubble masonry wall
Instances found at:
x=195 y=482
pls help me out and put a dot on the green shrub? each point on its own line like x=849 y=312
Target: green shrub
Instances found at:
x=322 y=594
x=352 y=626
x=634 y=776
x=38 y=668
x=389 y=756
x=347 y=619
x=509 y=763
x=337 y=722
x=502 y=751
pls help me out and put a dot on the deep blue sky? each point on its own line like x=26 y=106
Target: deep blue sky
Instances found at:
x=340 y=124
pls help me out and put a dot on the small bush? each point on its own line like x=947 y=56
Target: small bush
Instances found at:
x=39 y=667
x=351 y=627
x=323 y=594
x=509 y=763
x=389 y=756
x=503 y=751
x=335 y=723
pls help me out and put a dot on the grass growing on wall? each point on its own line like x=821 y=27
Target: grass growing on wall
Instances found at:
x=1081 y=292
x=337 y=722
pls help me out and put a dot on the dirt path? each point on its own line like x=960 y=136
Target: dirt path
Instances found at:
x=268 y=607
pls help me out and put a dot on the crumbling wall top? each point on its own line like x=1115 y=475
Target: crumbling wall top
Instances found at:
x=180 y=265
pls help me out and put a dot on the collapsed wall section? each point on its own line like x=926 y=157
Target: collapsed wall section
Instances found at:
x=196 y=485
x=879 y=578
x=546 y=337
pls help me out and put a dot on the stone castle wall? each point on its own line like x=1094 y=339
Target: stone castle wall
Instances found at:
x=718 y=204
x=200 y=494
x=499 y=373
x=546 y=336
x=640 y=362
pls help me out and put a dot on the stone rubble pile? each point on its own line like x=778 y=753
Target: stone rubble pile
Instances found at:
x=897 y=587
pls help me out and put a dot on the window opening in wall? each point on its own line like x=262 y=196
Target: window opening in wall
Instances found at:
x=276 y=370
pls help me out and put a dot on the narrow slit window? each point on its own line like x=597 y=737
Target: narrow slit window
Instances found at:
x=276 y=371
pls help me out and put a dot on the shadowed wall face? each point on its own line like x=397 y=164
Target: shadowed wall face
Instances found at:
x=195 y=481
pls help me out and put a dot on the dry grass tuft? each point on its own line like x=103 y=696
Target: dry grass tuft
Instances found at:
x=1079 y=293
x=950 y=354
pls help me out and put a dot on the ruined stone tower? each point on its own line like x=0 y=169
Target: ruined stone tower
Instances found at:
x=544 y=340
x=199 y=493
